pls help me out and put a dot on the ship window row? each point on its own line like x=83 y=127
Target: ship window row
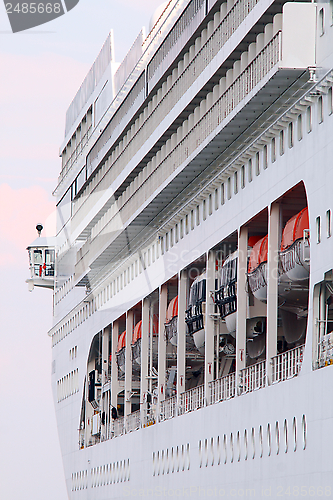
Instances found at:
x=68 y=385
x=328 y=226
x=269 y=440
x=171 y=460
x=183 y=226
x=63 y=290
x=171 y=91
x=77 y=142
x=73 y=353
x=116 y=472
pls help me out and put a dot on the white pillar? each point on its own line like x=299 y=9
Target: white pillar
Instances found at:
x=272 y=286
x=181 y=334
x=114 y=366
x=105 y=354
x=241 y=304
x=144 y=357
x=163 y=302
x=209 y=323
x=128 y=364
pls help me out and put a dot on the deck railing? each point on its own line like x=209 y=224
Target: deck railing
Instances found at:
x=133 y=421
x=223 y=388
x=119 y=427
x=287 y=364
x=168 y=408
x=253 y=377
x=193 y=399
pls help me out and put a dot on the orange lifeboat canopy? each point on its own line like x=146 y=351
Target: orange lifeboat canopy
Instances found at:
x=137 y=334
x=294 y=229
x=172 y=309
x=121 y=341
x=258 y=254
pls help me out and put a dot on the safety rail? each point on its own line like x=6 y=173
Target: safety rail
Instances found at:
x=287 y=364
x=191 y=400
x=133 y=421
x=164 y=165
x=119 y=427
x=168 y=408
x=230 y=98
x=222 y=388
x=253 y=377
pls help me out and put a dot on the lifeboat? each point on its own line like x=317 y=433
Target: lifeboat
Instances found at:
x=195 y=314
x=257 y=269
x=171 y=321
x=225 y=296
x=121 y=348
x=136 y=341
x=295 y=247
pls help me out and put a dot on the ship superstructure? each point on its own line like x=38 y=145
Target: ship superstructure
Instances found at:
x=193 y=279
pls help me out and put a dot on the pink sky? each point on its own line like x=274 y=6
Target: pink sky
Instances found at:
x=41 y=71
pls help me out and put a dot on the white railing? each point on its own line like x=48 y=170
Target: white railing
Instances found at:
x=287 y=364
x=168 y=408
x=253 y=377
x=118 y=427
x=221 y=389
x=133 y=421
x=193 y=399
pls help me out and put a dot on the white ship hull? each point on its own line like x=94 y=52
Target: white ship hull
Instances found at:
x=232 y=425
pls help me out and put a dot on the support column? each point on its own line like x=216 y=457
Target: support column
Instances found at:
x=241 y=305
x=163 y=302
x=144 y=358
x=114 y=366
x=181 y=334
x=105 y=354
x=272 y=286
x=128 y=364
x=209 y=323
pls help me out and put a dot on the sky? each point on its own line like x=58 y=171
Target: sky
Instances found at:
x=40 y=71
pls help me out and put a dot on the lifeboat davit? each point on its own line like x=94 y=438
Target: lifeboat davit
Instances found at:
x=195 y=314
x=295 y=247
x=137 y=338
x=121 y=348
x=171 y=321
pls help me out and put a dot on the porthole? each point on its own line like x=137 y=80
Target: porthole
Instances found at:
x=253 y=442
x=172 y=461
x=285 y=430
x=225 y=448
x=304 y=431
x=277 y=437
x=218 y=450
x=231 y=448
x=212 y=451
x=295 y=433
x=167 y=467
x=206 y=452
x=183 y=457
x=269 y=440
x=200 y=453
x=245 y=445
x=260 y=442
x=238 y=447
x=187 y=456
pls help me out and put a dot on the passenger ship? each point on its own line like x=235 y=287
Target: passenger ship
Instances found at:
x=191 y=272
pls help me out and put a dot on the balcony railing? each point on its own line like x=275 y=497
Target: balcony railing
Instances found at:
x=223 y=388
x=168 y=408
x=253 y=377
x=119 y=427
x=287 y=364
x=133 y=421
x=191 y=400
